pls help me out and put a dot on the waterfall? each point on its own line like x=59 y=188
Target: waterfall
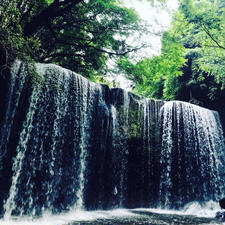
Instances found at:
x=68 y=143
x=192 y=154
x=10 y=204
x=13 y=102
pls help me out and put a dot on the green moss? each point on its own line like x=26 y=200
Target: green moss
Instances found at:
x=39 y=80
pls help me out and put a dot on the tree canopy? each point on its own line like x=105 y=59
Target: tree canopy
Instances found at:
x=204 y=40
x=77 y=34
x=206 y=23
x=157 y=77
x=191 y=65
x=83 y=35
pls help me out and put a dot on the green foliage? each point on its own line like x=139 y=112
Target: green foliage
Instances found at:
x=36 y=78
x=206 y=30
x=101 y=79
x=11 y=37
x=39 y=80
x=197 y=35
x=83 y=35
x=199 y=27
x=49 y=1
x=79 y=35
x=135 y=124
x=157 y=77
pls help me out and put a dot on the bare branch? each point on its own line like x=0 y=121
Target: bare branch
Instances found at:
x=211 y=36
x=57 y=55
x=117 y=53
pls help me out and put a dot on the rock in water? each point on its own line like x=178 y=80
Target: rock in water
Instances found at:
x=222 y=203
x=220 y=215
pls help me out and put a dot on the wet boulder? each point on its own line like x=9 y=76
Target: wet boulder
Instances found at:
x=222 y=203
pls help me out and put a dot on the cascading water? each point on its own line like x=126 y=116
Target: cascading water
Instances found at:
x=192 y=154
x=69 y=143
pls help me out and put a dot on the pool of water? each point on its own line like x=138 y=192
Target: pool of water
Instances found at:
x=192 y=214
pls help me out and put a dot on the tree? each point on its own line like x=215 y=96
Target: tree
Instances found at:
x=196 y=36
x=158 y=77
x=205 y=21
x=198 y=27
x=77 y=34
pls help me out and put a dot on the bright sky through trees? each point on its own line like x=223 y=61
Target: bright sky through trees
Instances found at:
x=158 y=20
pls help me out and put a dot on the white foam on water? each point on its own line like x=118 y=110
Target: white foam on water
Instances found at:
x=66 y=218
x=206 y=210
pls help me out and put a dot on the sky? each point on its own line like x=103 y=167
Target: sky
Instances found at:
x=149 y=13
x=158 y=19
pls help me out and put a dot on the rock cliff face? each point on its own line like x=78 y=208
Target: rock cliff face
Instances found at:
x=72 y=143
